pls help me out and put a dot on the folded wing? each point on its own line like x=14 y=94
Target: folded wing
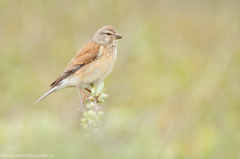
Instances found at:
x=86 y=55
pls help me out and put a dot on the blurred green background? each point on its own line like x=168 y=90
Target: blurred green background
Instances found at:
x=174 y=91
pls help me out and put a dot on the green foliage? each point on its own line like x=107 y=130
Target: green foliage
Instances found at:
x=92 y=118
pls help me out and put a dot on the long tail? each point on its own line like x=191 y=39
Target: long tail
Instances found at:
x=46 y=94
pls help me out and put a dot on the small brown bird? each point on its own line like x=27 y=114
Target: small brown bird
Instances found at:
x=91 y=64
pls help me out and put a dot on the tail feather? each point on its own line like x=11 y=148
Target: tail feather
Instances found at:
x=46 y=94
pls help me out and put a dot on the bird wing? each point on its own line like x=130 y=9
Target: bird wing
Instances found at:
x=87 y=54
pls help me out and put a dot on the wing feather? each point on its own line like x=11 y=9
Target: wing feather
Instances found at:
x=87 y=54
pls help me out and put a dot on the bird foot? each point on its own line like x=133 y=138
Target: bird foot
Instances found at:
x=86 y=98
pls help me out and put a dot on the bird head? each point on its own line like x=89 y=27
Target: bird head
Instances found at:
x=107 y=35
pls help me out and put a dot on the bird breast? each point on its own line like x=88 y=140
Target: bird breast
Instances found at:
x=98 y=70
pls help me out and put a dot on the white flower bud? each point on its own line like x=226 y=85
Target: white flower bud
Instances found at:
x=100 y=87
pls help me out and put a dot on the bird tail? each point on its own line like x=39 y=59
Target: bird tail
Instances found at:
x=46 y=94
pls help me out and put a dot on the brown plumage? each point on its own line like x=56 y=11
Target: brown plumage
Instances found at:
x=91 y=64
x=83 y=57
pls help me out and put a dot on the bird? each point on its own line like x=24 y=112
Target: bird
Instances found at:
x=91 y=65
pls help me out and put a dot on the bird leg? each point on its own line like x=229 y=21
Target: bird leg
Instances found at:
x=88 y=90
x=83 y=95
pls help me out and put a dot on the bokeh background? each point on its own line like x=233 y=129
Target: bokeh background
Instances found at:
x=174 y=91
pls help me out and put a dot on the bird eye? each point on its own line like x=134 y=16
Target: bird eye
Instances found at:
x=108 y=34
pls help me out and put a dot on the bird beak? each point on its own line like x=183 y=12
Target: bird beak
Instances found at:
x=117 y=36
